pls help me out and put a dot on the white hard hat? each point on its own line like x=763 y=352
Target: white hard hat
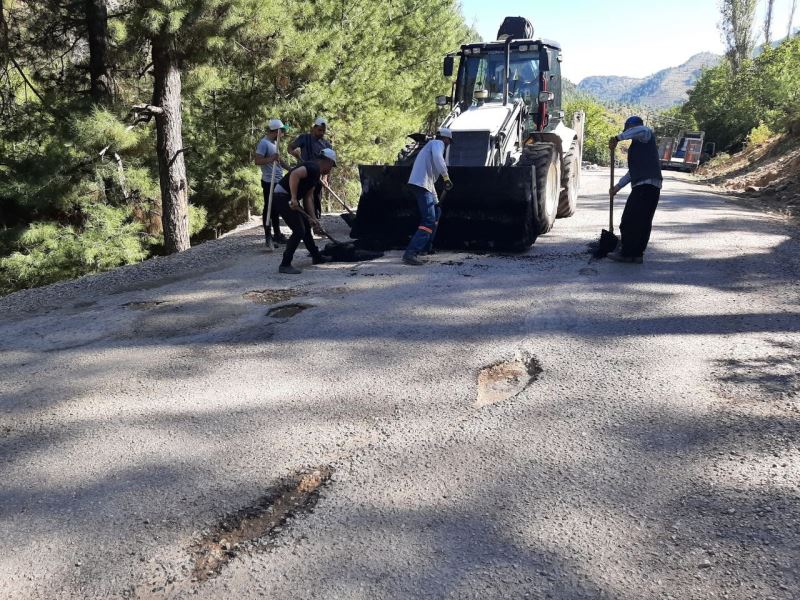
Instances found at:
x=321 y=122
x=329 y=154
x=445 y=132
x=275 y=124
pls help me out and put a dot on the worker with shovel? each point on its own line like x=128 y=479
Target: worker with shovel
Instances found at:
x=268 y=158
x=309 y=146
x=644 y=175
x=298 y=186
x=428 y=167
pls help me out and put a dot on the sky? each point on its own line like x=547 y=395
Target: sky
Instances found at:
x=634 y=38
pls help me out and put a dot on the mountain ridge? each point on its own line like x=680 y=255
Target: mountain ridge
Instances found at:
x=662 y=89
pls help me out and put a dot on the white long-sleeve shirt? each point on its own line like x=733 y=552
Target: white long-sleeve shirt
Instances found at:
x=642 y=134
x=429 y=166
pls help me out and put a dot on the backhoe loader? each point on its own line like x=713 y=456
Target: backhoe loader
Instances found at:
x=514 y=162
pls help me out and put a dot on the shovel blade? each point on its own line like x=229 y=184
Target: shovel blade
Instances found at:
x=608 y=243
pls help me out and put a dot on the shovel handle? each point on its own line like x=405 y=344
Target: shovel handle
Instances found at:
x=325 y=233
x=611 y=197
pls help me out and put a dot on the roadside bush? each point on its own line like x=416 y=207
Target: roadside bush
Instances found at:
x=759 y=135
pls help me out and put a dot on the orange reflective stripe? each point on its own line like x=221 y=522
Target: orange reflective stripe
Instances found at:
x=426 y=229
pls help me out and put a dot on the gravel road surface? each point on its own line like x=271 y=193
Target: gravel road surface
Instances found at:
x=653 y=453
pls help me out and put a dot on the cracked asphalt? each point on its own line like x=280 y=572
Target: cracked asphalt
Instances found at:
x=656 y=454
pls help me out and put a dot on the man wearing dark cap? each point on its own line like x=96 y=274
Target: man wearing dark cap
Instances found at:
x=294 y=199
x=309 y=146
x=644 y=175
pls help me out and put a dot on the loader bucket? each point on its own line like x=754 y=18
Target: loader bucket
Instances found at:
x=490 y=208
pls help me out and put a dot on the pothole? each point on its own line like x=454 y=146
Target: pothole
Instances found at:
x=272 y=296
x=504 y=380
x=287 y=311
x=144 y=305
x=260 y=523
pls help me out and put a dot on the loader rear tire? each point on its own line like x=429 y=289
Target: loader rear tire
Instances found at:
x=568 y=201
x=544 y=157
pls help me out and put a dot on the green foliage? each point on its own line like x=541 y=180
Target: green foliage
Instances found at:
x=47 y=252
x=601 y=124
x=759 y=135
x=100 y=130
x=729 y=104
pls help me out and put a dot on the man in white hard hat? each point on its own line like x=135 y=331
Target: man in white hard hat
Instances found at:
x=309 y=146
x=294 y=198
x=268 y=158
x=428 y=167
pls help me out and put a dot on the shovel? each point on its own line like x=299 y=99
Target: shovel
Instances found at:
x=270 y=243
x=319 y=226
x=608 y=240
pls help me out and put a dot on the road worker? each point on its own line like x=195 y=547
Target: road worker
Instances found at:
x=428 y=167
x=644 y=175
x=294 y=197
x=309 y=146
x=268 y=158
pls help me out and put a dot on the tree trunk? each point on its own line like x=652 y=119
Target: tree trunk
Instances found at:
x=768 y=23
x=169 y=145
x=97 y=33
x=791 y=19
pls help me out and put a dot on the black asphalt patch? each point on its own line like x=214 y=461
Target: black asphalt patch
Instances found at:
x=272 y=296
x=259 y=524
x=287 y=311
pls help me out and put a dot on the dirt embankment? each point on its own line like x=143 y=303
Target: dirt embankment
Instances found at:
x=767 y=174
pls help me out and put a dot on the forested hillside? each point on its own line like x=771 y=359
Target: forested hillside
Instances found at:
x=122 y=121
x=751 y=100
x=661 y=90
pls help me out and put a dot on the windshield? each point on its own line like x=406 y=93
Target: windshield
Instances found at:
x=486 y=73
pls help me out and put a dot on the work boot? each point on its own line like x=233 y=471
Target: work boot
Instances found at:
x=319 y=259
x=288 y=270
x=617 y=257
x=269 y=242
x=412 y=261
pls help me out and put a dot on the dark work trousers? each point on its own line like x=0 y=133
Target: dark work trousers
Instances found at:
x=275 y=217
x=637 y=219
x=299 y=225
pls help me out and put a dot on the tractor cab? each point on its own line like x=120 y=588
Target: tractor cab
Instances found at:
x=505 y=92
x=523 y=72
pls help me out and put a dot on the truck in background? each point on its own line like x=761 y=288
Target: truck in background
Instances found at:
x=686 y=151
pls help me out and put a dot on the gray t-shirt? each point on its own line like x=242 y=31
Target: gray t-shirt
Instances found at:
x=268 y=148
x=310 y=147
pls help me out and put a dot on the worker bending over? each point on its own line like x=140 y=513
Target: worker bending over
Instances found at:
x=644 y=175
x=428 y=167
x=294 y=197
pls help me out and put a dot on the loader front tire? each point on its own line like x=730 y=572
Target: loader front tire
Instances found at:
x=545 y=159
x=568 y=201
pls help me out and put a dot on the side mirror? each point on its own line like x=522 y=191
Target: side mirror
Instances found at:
x=449 y=63
x=711 y=148
x=442 y=101
x=545 y=97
